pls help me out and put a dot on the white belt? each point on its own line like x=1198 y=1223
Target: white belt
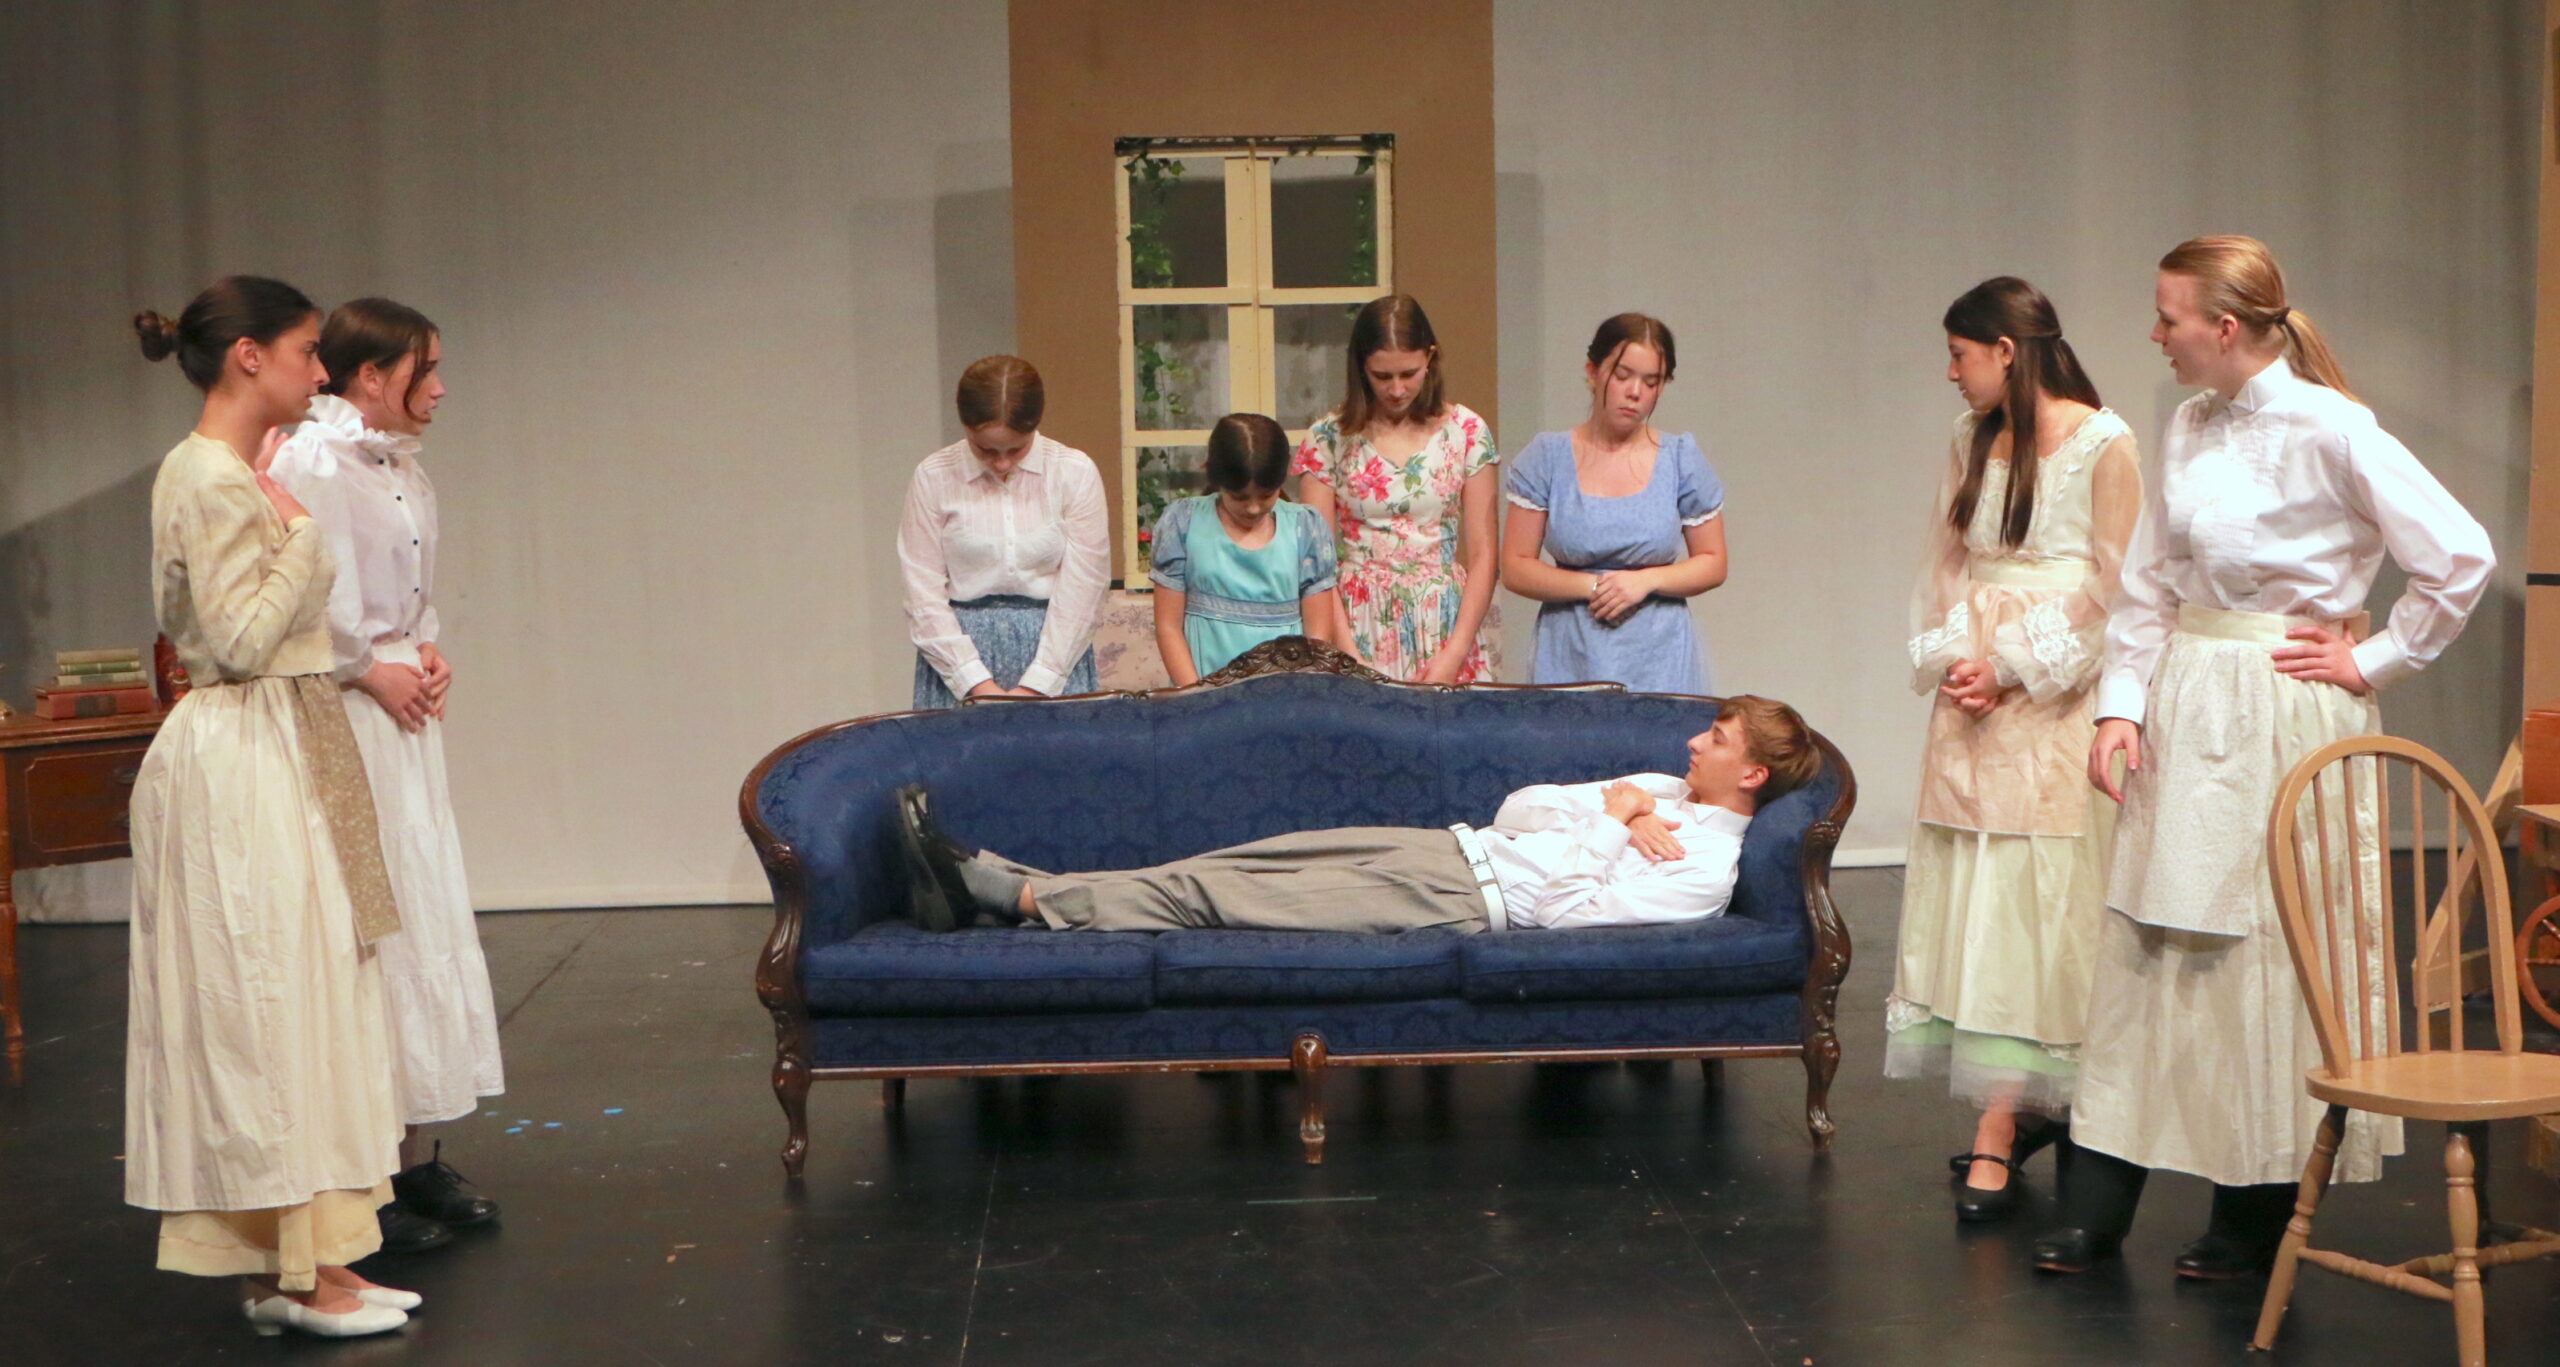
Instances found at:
x=1487 y=887
x=2268 y=628
x=2029 y=574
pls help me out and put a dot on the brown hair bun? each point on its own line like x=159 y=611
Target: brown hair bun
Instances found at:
x=159 y=334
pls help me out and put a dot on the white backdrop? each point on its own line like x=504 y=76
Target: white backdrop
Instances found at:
x=706 y=274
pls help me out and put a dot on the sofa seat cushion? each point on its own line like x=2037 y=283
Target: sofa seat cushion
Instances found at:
x=1723 y=956
x=892 y=968
x=1296 y=967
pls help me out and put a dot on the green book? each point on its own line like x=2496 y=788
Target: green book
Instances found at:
x=123 y=666
x=128 y=679
x=84 y=657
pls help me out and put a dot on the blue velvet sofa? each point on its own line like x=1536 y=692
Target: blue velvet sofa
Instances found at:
x=1293 y=736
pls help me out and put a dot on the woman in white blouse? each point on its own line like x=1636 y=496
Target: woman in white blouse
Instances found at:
x=2232 y=652
x=354 y=464
x=1005 y=550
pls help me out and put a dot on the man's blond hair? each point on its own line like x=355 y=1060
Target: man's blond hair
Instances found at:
x=1774 y=737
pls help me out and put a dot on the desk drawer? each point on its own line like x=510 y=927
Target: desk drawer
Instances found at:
x=78 y=801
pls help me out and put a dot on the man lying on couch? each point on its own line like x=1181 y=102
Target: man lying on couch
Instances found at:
x=1649 y=849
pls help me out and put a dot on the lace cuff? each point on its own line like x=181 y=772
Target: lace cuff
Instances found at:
x=1933 y=650
x=2049 y=656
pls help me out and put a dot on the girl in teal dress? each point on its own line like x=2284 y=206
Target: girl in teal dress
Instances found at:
x=1236 y=567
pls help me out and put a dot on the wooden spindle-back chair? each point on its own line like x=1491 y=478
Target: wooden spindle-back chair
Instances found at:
x=2329 y=850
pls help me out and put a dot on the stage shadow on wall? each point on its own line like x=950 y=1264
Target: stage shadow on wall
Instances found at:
x=972 y=257
x=75 y=579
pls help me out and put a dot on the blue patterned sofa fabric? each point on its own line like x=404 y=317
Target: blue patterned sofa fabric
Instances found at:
x=1438 y=1025
x=892 y=968
x=1720 y=957
x=1287 y=967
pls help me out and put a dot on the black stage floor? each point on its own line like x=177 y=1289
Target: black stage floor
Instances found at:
x=1478 y=1216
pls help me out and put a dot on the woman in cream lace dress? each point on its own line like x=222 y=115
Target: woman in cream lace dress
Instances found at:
x=2007 y=875
x=258 y=1098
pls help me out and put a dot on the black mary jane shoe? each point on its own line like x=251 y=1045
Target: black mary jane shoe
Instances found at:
x=2071 y=1249
x=2029 y=1139
x=433 y=1189
x=934 y=888
x=406 y=1231
x=2221 y=1258
x=1976 y=1206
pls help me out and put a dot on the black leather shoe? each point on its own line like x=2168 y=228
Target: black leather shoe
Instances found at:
x=2031 y=1136
x=2220 y=1258
x=406 y=1231
x=433 y=1189
x=941 y=901
x=1974 y=1205
x=2071 y=1250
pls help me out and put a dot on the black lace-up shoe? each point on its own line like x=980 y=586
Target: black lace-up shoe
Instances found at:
x=434 y=1190
x=406 y=1231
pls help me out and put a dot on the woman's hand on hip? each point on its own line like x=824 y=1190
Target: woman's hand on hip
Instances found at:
x=2116 y=735
x=2327 y=655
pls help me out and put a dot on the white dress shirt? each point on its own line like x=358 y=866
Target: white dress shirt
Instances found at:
x=2283 y=501
x=377 y=513
x=1041 y=532
x=1562 y=861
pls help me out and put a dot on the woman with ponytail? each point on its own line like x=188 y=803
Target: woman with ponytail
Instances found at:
x=2237 y=647
x=2005 y=881
x=258 y=1100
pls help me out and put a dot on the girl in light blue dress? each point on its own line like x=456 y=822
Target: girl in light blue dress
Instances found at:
x=1237 y=567
x=1632 y=519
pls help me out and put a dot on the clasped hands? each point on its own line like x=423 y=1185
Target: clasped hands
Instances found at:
x=1973 y=686
x=1647 y=831
x=1616 y=594
x=411 y=694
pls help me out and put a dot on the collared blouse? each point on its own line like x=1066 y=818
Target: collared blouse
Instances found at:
x=377 y=514
x=1039 y=533
x=1562 y=861
x=2283 y=500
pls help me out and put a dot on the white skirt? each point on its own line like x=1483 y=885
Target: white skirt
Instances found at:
x=257 y=1068
x=2198 y=1034
x=444 y=1025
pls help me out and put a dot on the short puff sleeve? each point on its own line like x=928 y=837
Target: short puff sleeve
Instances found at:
x=1701 y=494
x=1530 y=482
x=1316 y=455
x=1315 y=550
x=1169 y=551
x=1474 y=440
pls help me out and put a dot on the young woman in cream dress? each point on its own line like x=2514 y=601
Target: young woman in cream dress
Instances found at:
x=2006 y=878
x=2232 y=653
x=258 y=1102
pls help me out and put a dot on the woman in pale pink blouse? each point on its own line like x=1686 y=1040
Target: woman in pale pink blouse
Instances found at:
x=1005 y=550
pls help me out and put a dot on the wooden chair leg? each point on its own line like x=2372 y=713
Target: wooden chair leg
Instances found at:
x=1306 y=1059
x=2470 y=1330
x=791 y=1088
x=2297 y=1231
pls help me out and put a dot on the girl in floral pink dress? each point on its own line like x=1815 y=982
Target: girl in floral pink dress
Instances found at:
x=1407 y=480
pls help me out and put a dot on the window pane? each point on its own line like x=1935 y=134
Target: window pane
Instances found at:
x=1324 y=222
x=1165 y=473
x=1310 y=368
x=1177 y=222
x=1181 y=364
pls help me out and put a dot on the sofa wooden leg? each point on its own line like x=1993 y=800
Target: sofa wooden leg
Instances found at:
x=791 y=1088
x=1711 y=1072
x=1821 y=1060
x=893 y=1093
x=1306 y=1059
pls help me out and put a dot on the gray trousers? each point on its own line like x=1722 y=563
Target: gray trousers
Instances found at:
x=1366 y=878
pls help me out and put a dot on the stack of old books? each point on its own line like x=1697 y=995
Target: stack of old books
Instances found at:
x=95 y=683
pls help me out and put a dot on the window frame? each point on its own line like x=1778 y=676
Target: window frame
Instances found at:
x=1249 y=296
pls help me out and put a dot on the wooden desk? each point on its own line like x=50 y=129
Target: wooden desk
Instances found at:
x=64 y=791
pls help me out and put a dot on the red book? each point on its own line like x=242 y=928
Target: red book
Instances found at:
x=66 y=705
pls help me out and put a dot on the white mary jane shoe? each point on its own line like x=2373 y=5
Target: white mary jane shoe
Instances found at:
x=273 y=1314
x=389 y=1299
